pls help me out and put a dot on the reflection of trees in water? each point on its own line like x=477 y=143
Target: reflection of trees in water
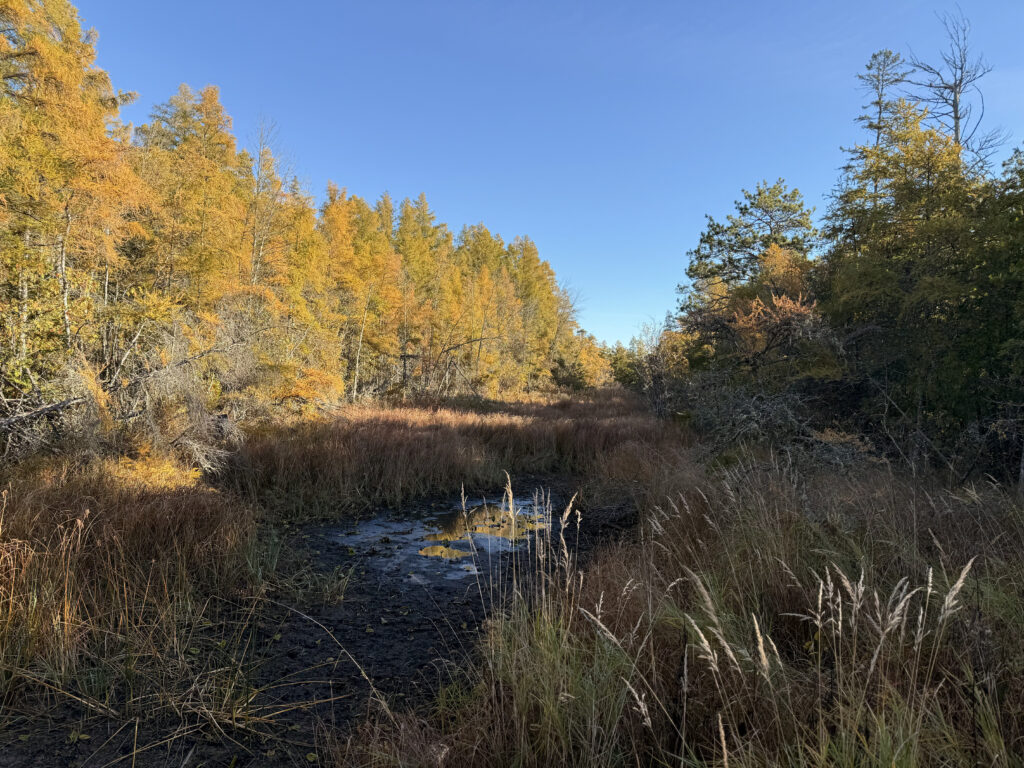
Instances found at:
x=487 y=519
x=448 y=553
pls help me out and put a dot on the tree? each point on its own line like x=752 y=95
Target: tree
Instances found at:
x=899 y=283
x=190 y=162
x=169 y=275
x=65 y=188
x=369 y=279
x=729 y=253
x=543 y=310
x=950 y=88
x=883 y=73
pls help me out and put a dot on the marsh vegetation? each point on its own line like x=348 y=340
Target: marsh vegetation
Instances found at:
x=763 y=609
x=148 y=605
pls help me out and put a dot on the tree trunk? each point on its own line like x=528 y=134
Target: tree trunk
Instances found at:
x=1020 y=472
x=62 y=273
x=956 y=118
x=23 y=307
x=359 y=347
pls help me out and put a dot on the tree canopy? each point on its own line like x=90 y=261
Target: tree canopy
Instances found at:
x=171 y=272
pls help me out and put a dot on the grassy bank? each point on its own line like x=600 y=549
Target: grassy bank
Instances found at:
x=113 y=573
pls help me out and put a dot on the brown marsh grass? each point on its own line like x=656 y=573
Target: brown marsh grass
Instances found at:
x=764 y=613
x=386 y=455
x=764 y=617
x=111 y=572
x=130 y=587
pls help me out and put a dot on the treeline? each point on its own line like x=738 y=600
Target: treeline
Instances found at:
x=901 y=319
x=165 y=274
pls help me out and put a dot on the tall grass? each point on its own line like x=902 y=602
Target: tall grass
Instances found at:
x=112 y=574
x=763 y=617
x=764 y=613
x=131 y=588
x=380 y=455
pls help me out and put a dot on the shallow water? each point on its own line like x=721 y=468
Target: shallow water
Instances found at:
x=449 y=542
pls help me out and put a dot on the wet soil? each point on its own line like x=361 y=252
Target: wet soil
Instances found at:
x=406 y=593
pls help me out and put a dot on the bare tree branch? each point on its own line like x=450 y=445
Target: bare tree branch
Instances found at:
x=949 y=89
x=10 y=421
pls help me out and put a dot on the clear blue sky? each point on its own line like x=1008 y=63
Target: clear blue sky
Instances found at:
x=603 y=130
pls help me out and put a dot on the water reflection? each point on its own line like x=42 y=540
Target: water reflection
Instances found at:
x=448 y=553
x=489 y=527
x=450 y=545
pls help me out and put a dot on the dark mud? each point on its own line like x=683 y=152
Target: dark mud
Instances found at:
x=401 y=597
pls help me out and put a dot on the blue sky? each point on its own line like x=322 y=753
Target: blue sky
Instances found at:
x=603 y=130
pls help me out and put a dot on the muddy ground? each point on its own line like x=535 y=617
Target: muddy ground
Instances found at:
x=385 y=625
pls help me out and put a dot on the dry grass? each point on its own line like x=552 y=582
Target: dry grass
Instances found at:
x=379 y=455
x=112 y=573
x=764 y=617
x=131 y=587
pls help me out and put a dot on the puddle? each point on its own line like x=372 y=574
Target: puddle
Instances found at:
x=451 y=543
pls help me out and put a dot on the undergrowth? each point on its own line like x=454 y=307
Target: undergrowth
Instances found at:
x=767 y=610
x=132 y=588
